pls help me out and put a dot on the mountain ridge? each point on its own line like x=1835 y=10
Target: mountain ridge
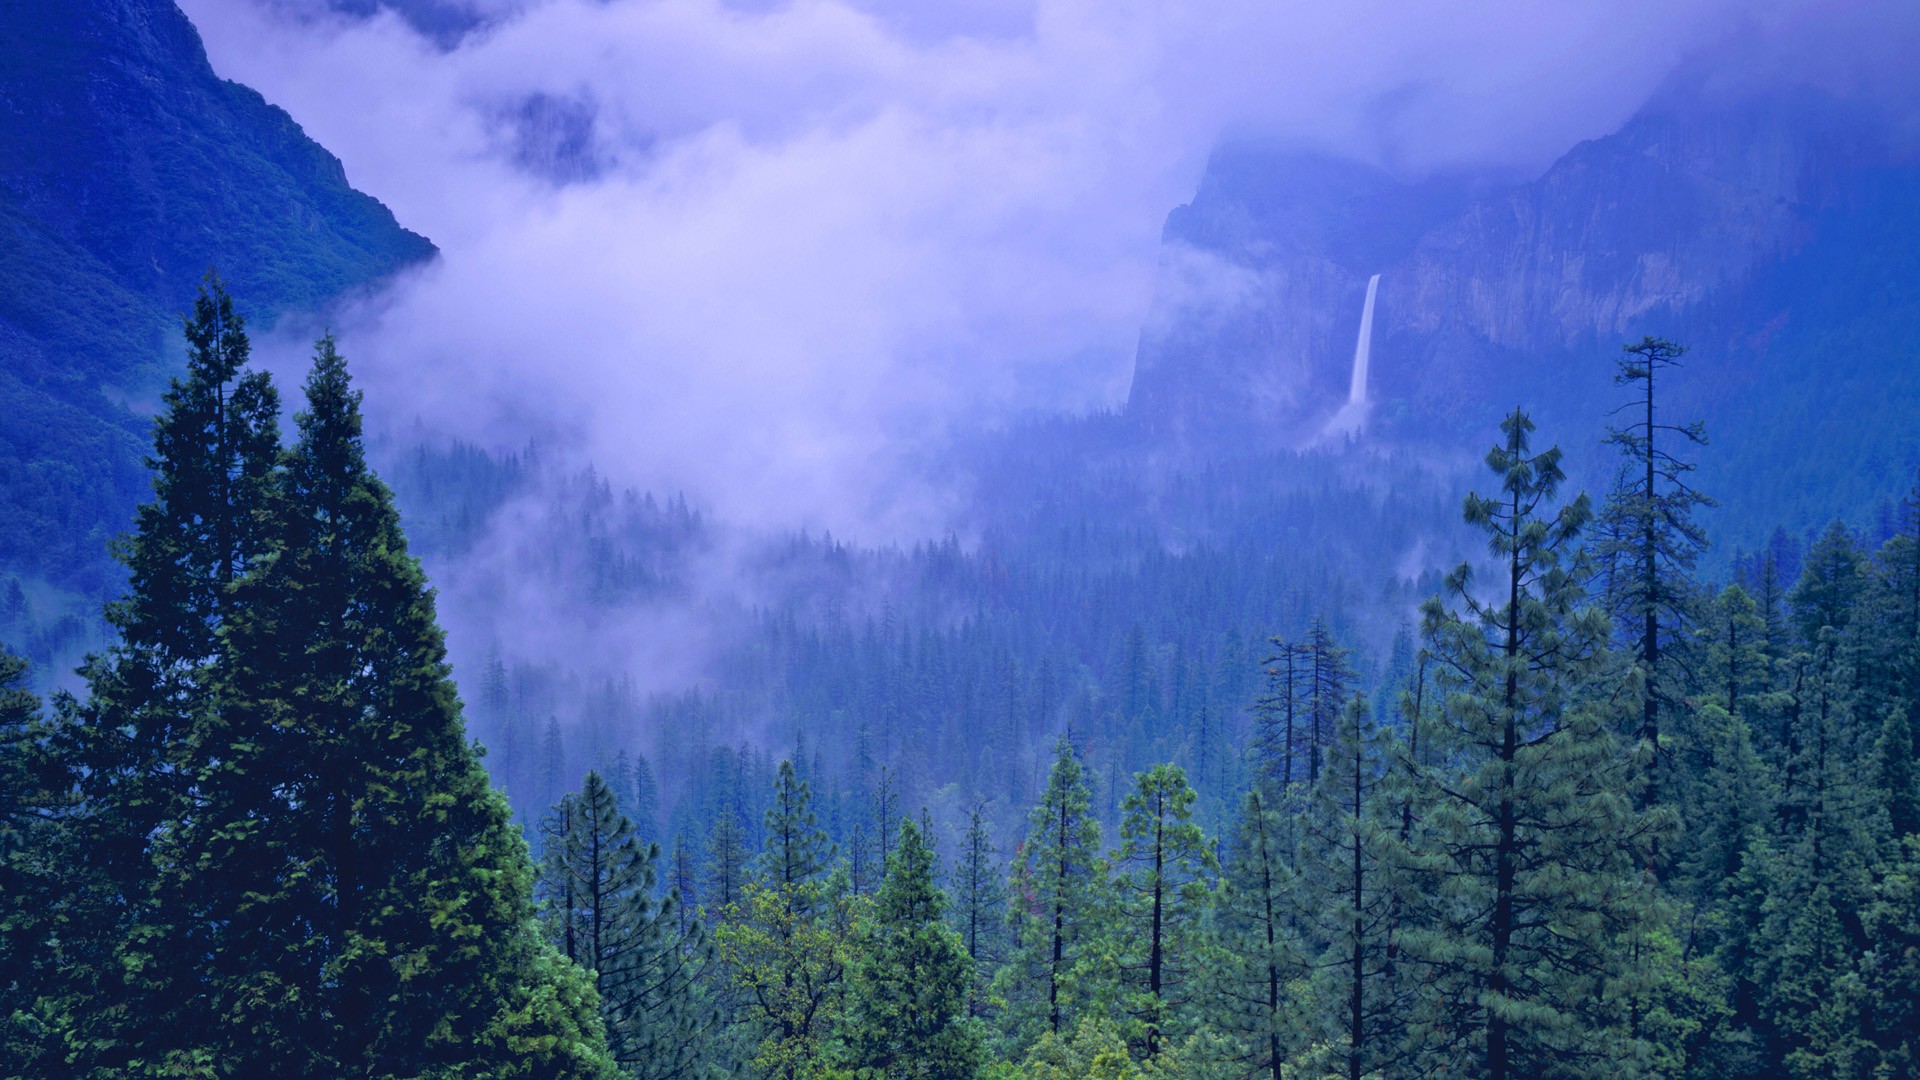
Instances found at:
x=128 y=170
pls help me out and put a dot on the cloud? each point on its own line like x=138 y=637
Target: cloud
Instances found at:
x=777 y=251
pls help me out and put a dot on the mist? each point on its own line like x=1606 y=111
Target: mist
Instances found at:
x=774 y=256
x=778 y=258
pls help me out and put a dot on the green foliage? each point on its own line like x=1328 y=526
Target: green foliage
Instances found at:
x=1061 y=899
x=293 y=862
x=1259 y=995
x=1163 y=877
x=1531 y=811
x=597 y=884
x=909 y=978
x=979 y=906
x=1354 y=896
x=784 y=946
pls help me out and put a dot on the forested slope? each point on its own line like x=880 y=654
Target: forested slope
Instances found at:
x=128 y=170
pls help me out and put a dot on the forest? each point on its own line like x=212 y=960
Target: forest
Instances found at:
x=1595 y=815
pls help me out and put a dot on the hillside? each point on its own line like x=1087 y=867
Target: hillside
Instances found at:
x=127 y=170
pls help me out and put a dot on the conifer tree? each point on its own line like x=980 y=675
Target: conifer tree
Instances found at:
x=909 y=976
x=31 y=780
x=979 y=902
x=784 y=945
x=135 y=743
x=1350 y=881
x=390 y=897
x=305 y=869
x=646 y=799
x=598 y=883
x=684 y=879
x=1532 y=812
x=1281 y=717
x=1328 y=676
x=1892 y=972
x=1061 y=897
x=797 y=851
x=1650 y=537
x=726 y=861
x=35 y=905
x=1259 y=967
x=1164 y=868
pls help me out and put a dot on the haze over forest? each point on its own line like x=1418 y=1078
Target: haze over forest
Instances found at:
x=1222 y=539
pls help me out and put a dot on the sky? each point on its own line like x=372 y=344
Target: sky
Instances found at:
x=789 y=247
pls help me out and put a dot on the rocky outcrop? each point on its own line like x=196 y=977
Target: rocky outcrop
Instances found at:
x=1264 y=271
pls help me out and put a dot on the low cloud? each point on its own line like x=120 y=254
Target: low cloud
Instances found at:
x=773 y=253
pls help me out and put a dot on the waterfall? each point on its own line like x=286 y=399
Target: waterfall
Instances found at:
x=1363 y=348
x=1352 y=417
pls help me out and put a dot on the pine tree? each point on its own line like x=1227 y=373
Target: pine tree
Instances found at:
x=797 y=851
x=909 y=977
x=784 y=945
x=1061 y=897
x=30 y=776
x=646 y=799
x=1892 y=971
x=684 y=880
x=598 y=882
x=307 y=871
x=886 y=818
x=1164 y=868
x=396 y=855
x=35 y=884
x=979 y=901
x=1652 y=539
x=1532 y=811
x=1258 y=962
x=1280 y=715
x=726 y=861
x=1329 y=674
x=1350 y=880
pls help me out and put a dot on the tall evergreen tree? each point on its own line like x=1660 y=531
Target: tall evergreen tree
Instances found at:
x=979 y=903
x=36 y=851
x=1350 y=879
x=1651 y=538
x=1061 y=897
x=909 y=976
x=785 y=945
x=726 y=861
x=1532 y=811
x=598 y=882
x=1281 y=717
x=1164 y=868
x=646 y=799
x=1259 y=967
x=1329 y=674
x=399 y=857
x=136 y=742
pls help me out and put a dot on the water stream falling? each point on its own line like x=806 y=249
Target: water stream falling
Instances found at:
x=1352 y=417
x=1363 y=348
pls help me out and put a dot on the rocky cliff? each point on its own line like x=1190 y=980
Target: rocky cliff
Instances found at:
x=1775 y=236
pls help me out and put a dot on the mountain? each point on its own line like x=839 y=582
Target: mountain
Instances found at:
x=128 y=169
x=1774 y=235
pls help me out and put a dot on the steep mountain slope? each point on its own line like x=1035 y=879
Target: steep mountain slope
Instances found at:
x=127 y=170
x=1773 y=235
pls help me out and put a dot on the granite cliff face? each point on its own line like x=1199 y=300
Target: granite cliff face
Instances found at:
x=1703 y=222
x=127 y=170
